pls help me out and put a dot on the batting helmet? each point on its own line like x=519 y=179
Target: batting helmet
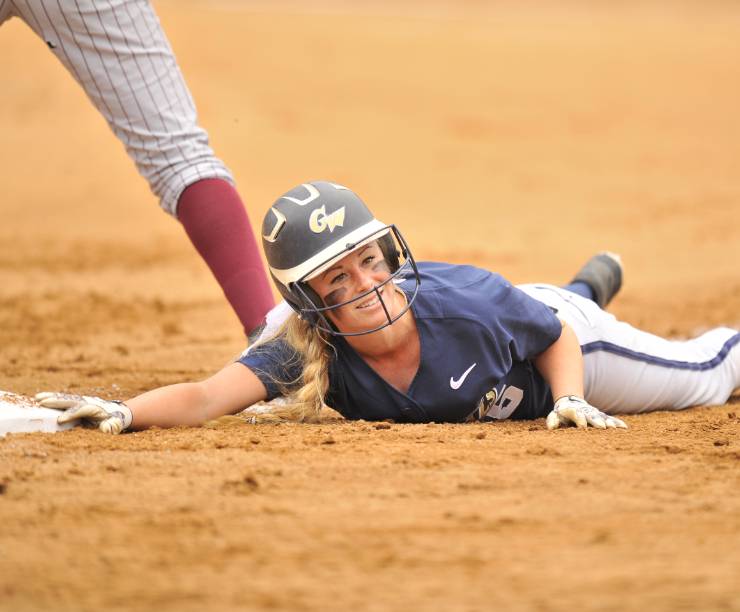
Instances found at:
x=309 y=229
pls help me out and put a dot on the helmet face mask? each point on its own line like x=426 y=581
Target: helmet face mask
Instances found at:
x=314 y=226
x=317 y=312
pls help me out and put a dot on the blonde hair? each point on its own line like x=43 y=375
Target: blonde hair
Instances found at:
x=313 y=350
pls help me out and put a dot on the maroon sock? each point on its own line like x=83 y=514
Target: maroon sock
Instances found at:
x=216 y=222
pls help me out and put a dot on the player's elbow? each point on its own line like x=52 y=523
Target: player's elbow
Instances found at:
x=196 y=398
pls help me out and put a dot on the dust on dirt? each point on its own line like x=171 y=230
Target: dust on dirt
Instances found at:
x=519 y=139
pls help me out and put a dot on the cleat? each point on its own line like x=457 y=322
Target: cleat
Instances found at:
x=603 y=273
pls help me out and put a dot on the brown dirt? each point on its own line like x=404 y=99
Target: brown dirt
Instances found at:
x=522 y=139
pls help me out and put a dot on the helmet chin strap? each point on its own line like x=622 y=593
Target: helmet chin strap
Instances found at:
x=404 y=297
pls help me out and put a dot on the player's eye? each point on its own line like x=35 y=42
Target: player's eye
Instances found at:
x=368 y=260
x=338 y=278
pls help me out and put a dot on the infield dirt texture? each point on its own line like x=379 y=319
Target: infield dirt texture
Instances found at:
x=521 y=139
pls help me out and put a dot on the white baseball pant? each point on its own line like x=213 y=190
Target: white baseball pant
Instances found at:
x=628 y=371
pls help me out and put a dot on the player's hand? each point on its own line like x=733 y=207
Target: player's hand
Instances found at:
x=574 y=410
x=109 y=417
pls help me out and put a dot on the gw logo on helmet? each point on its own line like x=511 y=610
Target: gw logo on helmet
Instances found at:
x=319 y=220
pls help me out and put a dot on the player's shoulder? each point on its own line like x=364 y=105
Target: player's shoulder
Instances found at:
x=452 y=290
x=439 y=275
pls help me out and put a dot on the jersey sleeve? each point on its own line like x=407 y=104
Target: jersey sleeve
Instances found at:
x=278 y=366
x=525 y=324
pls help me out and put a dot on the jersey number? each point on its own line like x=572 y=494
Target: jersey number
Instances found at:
x=500 y=405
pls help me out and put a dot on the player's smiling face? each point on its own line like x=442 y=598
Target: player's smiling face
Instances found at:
x=355 y=274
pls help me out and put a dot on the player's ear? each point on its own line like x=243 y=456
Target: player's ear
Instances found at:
x=309 y=288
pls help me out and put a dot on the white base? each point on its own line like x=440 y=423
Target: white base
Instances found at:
x=19 y=414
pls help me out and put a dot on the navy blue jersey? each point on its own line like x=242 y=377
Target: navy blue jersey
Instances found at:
x=478 y=335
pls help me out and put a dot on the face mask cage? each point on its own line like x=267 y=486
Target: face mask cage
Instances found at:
x=311 y=311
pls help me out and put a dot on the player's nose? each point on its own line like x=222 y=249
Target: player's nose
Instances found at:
x=363 y=280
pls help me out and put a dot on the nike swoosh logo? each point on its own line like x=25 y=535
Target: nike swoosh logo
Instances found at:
x=456 y=384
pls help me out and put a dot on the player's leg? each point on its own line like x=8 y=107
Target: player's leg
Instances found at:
x=119 y=54
x=627 y=370
x=599 y=279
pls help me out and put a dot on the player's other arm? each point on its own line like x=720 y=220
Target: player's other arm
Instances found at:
x=561 y=365
x=230 y=390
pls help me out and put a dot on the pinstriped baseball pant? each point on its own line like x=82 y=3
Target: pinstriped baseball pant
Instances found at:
x=119 y=54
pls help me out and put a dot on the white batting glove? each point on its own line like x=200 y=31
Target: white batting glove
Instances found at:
x=574 y=410
x=109 y=417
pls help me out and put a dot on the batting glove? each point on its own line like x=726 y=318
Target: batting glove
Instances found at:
x=574 y=410
x=109 y=417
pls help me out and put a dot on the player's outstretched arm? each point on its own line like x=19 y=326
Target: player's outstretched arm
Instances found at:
x=228 y=391
x=561 y=365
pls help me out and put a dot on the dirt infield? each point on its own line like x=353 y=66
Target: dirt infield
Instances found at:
x=521 y=140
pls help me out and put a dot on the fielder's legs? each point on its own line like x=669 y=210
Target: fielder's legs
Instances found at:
x=119 y=54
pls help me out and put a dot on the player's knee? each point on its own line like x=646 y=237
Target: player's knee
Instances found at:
x=170 y=162
x=171 y=184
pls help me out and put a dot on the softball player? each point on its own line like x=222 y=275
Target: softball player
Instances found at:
x=376 y=336
x=119 y=54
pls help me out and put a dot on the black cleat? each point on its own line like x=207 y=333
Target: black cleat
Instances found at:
x=603 y=273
